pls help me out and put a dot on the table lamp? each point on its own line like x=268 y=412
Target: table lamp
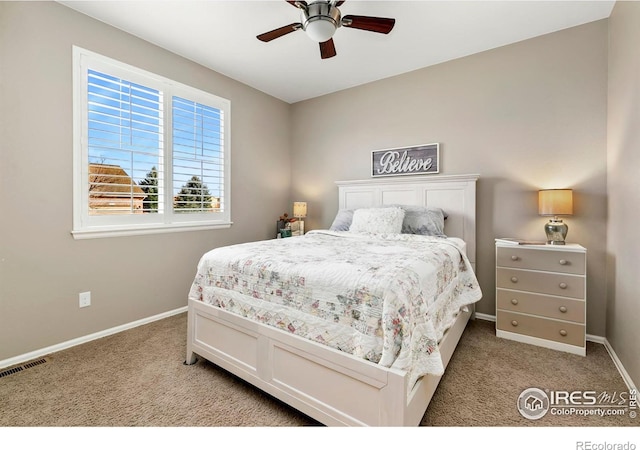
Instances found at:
x=555 y=202
x=300 y=212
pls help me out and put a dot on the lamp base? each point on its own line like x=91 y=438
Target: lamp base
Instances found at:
x=556 y=231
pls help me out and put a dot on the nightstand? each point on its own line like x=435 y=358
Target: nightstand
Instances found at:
x=541 y=295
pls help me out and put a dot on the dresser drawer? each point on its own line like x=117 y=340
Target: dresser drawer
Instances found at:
x=548 y=260
x=561 y=308
x=564 y=285
x=554 y=330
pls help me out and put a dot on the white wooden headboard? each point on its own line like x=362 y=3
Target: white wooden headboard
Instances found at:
x=455 y=194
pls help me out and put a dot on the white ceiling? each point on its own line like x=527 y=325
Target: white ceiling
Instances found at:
x=221 y=35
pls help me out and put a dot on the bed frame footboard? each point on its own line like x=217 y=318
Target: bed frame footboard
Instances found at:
x=328 y=385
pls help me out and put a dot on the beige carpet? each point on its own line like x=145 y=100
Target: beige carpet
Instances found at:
x=137 y=379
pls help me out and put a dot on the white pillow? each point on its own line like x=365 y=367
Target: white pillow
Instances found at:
x=377 y=220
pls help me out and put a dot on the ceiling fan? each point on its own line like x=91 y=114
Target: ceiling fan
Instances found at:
x=320 y=19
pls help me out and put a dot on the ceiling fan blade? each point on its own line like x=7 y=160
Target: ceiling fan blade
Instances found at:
x=327 y=49
x=279 y=32
x=375 y=24
x=296 y=3
x=340 y=3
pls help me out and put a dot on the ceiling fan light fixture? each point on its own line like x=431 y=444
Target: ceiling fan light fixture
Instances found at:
x=320 y=20
x=320 y=29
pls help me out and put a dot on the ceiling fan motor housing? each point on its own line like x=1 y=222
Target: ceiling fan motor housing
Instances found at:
x=320 y=20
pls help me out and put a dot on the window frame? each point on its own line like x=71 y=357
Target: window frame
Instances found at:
x=97 y=226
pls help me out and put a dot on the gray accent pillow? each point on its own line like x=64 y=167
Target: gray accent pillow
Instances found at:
x=343 y=220
x=423 y=220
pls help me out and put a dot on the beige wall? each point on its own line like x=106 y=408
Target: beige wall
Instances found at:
x=623 y=244
x=42 y=268
x=525 y=116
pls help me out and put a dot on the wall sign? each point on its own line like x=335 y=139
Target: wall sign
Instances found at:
x=417 y=160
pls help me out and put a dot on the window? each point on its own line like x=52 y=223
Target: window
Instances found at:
x=150 y=154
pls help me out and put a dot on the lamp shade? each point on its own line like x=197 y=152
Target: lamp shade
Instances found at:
x=299 y=209
x=555 y=202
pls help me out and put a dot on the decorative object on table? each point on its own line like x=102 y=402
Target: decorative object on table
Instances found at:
x=283 y=226
x=555 y=202
x=300 y=212
x=417 y=160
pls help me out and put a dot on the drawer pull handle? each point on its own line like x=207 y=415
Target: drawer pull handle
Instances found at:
x=563 y=262
x=514 y=279
x=514 y=301
x=563 y=285
x=563 y=332
x=514 y=258
x=514 y=323
x=563 y=309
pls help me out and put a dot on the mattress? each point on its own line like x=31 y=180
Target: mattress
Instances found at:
x=385 y=298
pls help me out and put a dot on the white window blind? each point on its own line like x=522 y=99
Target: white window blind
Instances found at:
x=150 y=154
x=198 y=157
x=125 y=141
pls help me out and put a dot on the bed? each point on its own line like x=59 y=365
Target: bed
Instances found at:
x=350 y=328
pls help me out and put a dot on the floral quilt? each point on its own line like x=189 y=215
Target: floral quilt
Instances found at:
x=385 y=298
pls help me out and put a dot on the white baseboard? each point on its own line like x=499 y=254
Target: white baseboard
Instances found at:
x=483 y=316
x=596 y=339
x=623 y=372
x=90 y=337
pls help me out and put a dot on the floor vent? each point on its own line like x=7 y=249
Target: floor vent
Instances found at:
x=25 y=366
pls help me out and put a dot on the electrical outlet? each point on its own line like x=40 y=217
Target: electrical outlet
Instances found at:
x=85 y=299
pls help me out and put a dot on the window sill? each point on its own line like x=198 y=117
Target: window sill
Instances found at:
x=106 y=232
